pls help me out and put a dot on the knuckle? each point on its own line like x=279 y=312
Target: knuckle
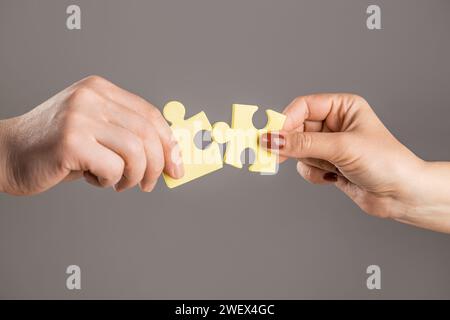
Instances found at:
x=156 y=114
x=93 y=81
x=299 y=99
x=134 y=148
x=358 y=99
x=70 y=120
x=156 y=167
x=82 y=100
x=81 y=95
x=303 y=141
x=71 y=123
x=148 y=134
x=174 y=148
x=114 y=171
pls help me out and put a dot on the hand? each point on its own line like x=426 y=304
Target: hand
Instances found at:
x=339 y=140
x=93 y=128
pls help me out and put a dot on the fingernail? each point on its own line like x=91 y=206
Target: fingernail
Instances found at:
x=118 y=187
x=148 y=187
x=273 y=141
x=177 y=163
x=330 y=176
x=178 y=171
x=102 y=181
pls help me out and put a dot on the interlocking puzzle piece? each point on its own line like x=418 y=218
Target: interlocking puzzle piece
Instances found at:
x=243 y=135
x=196 y=162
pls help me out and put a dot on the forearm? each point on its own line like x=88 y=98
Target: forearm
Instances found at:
x=429 y=206
x=3 y=154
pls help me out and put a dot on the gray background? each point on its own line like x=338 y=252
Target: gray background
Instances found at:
x=231 y=234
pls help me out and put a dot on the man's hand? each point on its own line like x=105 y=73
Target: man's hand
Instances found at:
x=93 y=128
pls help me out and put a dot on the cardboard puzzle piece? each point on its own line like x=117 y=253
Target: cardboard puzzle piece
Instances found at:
x=243 y=135
x=197 y=162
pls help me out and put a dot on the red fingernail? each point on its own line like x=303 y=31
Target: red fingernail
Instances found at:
x=330 y=176
x=273 y=141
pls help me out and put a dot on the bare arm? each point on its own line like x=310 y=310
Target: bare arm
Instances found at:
x=339 y=140
x=93 y=129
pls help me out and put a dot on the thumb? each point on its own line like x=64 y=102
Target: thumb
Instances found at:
x=319 y=145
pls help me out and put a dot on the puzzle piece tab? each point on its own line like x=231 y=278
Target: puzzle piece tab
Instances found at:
x=243 y=135
x=196 y=162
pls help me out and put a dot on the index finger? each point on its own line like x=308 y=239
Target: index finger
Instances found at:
x=172 y=159
x=327 y=107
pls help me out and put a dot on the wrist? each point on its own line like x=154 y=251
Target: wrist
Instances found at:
x=3 y=154
x=5 y=137
x=426 y=202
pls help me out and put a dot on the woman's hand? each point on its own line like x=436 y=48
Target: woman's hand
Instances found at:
x=339 y=140
x=93 y=128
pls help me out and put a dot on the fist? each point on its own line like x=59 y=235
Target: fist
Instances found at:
x=93 y=129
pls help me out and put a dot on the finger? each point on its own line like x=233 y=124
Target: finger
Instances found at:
x=155 y=165
x=313 y=126
x=353 y=191
x=325 y=128
x=171 y=151
x=311 y=113
x=321 y=164
x=330 y=108
x=173 y=163
x=367 y=201
x=73 y=175
x=100 y=162
x=130 y=147
x=315 y=175
x=91 y=179
x=310 y=126
x=134 y=122
x=319 y=145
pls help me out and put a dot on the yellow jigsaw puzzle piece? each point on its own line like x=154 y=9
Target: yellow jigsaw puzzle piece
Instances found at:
x=196 y=162
x=243 y=135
